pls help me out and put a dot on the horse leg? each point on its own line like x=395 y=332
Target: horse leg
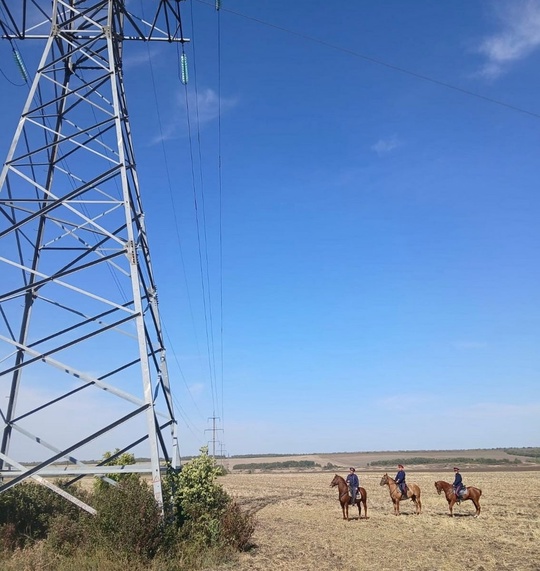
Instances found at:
x=365 y=508
x=451 y=503
x=359 y=504
x=477 y=506
x=396 y=507
x=347 y=510
x=417 y=503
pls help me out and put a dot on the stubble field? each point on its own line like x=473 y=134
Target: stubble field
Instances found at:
x=300 y=525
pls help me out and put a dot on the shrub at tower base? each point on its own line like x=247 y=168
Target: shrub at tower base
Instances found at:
x=203 y=525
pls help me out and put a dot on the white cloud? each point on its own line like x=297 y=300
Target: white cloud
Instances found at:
x=383 y=146
x=204 y=107
x=518 y=36
x=196 y=389
x=139 y=59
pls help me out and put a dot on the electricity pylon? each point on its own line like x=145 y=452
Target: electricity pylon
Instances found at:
x=82 y=356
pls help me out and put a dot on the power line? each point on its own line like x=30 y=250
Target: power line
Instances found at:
x=214 y=430
x=381 y=62
x=220 y=179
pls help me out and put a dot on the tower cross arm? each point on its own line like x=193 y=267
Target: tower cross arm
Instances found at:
x=33 y=20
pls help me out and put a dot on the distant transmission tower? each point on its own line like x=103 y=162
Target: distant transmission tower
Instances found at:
x=82 y=357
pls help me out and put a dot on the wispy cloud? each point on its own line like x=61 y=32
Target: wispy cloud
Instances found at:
x=383 y=146
x=517 y=37
x=204 y=107
x=196 y=389
x=136 y=60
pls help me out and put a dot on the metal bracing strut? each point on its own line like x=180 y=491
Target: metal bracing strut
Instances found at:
x=80 y=328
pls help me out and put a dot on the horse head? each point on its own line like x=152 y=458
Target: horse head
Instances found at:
x=335 y=481
x=384 y=480
x=438 y=487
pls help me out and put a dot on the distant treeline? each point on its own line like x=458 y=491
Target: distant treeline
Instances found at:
x=347 y=452
x=532 y=452
x=277 y=465
x=457 y=460
x=263 y=455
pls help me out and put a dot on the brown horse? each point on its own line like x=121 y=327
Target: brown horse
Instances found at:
x=472 y=494
x=345 y=498
x=413 y=492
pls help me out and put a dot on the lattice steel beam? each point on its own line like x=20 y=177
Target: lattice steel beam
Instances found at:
x=79 y=319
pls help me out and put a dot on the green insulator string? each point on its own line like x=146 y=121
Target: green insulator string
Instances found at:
x=184 y=69
x=20 y=64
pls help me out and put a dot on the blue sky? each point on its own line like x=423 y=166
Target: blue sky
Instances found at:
x=366 y=176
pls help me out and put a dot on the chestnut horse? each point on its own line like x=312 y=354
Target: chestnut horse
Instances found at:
x=345 y=498
x=413 y=492
x=472 y=494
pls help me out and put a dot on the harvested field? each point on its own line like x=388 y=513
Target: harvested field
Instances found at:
x=439 y=459
x=300 y=525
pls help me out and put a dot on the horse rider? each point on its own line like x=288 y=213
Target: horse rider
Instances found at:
x=400 y=480
x=458 y=486
x=353 y=483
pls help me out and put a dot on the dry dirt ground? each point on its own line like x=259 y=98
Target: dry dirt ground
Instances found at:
x=300 y=525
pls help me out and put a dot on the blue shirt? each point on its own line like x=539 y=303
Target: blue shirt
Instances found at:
x=352 y=480
x=400 y=477
x=458 y=481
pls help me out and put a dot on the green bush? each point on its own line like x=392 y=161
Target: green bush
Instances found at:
x=531 y=451
x=204 y=513
x=421 y=460
x=128 y=519
x=9 y=539
x=194 y=490
x=222 y=471
x=237 y=527
x=125 y=459
x=277 y=465
x=29 y=508
x=204 y=526
x=66 y=535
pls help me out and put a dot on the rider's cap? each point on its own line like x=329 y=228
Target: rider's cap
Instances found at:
x=456 y=468
x=351 y=468
x=400 y=465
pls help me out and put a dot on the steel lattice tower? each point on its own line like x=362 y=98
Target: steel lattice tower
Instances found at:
x=79 y=318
